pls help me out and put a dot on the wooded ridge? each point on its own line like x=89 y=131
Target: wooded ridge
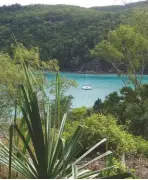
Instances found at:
x=62 y=32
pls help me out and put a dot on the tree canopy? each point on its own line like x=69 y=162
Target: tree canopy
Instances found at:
x=127 y=51
x=65 y=33
x=11 y=74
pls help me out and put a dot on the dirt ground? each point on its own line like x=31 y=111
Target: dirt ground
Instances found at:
x=138 y=164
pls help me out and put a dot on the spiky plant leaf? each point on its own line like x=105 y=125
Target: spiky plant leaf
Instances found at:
x=47 y=155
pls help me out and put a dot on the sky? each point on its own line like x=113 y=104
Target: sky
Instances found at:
x=83 y=3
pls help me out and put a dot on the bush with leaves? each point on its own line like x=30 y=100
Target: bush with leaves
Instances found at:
x=78 y=113
x=11 y=74
x=130 y=108
x=98 y=106
x=98 y=126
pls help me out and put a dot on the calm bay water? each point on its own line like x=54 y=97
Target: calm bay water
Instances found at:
x=102 y=85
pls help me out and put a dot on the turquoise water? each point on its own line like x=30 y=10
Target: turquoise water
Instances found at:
x=102 y=85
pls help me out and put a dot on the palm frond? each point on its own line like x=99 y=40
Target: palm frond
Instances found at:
x=47 y=154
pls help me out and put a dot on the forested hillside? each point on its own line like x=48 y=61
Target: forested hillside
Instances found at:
x=118 y=8
x=65 y=33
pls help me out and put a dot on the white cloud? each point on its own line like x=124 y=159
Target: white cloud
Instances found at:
x=85 y=3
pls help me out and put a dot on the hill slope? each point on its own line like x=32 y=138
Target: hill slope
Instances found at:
x=66 y=33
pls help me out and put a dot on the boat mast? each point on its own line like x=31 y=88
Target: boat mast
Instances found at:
x=86 y=78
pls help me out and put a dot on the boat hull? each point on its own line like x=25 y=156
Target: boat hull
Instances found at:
x=87 y=88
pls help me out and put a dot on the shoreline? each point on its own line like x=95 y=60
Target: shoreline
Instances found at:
x=92 y=72
x=83 y=72
x=89 y=72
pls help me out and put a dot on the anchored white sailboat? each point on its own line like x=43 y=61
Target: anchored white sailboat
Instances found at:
x=86 y=86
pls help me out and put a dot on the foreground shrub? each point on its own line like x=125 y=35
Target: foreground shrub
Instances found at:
x=78 y=113
x=99 y=126
x=129 y=107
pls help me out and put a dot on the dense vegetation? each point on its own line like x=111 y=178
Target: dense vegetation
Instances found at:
x=126 y=48
x=37 y=148
x=98 y=126
x=66 y=33
x=129 y=107
x=11 y=74
x=36 y=130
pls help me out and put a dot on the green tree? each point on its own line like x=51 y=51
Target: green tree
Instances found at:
x=98 y=106
x=78 y=114
x=65 y=100
x=65 y=84
x=127 y=51
x=31 y=57
x=11 y=74
x=139 y=20
x=130 y=109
